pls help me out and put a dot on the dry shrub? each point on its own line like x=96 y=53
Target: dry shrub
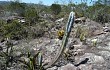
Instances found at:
x=82 y=32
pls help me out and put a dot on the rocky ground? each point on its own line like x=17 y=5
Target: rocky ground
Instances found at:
x=81 y=55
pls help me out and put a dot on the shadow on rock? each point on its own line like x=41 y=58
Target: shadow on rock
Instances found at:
x=82 y=62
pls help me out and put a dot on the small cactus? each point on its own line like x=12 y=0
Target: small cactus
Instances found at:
x=82 y=37
x=94 y=42
x=60 y=34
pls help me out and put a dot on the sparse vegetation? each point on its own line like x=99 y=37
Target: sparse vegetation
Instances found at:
x=31 y=15
x=13 y=30
x=35 y=62
x=7 y=56
x=22 y=21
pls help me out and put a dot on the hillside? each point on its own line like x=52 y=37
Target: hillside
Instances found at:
x=4 y=2
x=56 y=37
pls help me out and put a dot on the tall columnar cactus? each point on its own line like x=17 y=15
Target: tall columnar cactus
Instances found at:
x=65 y=39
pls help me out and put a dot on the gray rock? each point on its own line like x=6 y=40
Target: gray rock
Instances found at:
x=24 y=58
x=105 y=53
x=53 y=68
x=59 y=20
x=93 y=59
x=68 y=67
x=18 y=53
x=15 y=42
x=86 y=67
x=107 y=47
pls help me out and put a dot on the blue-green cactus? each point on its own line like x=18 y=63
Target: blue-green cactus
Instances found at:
x=65 y=39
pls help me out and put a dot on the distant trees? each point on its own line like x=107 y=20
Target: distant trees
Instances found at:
x=1 y=9
x=104 y=2
x=80 y=9
x=100 y=11
x=17 y=7
x=56 y=9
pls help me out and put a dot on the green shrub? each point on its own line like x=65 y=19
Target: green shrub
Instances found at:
x=60 y=15
x=56 y=9
x=16 y=30
x=31 y=15
x=102 y=17
x=13 y=30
